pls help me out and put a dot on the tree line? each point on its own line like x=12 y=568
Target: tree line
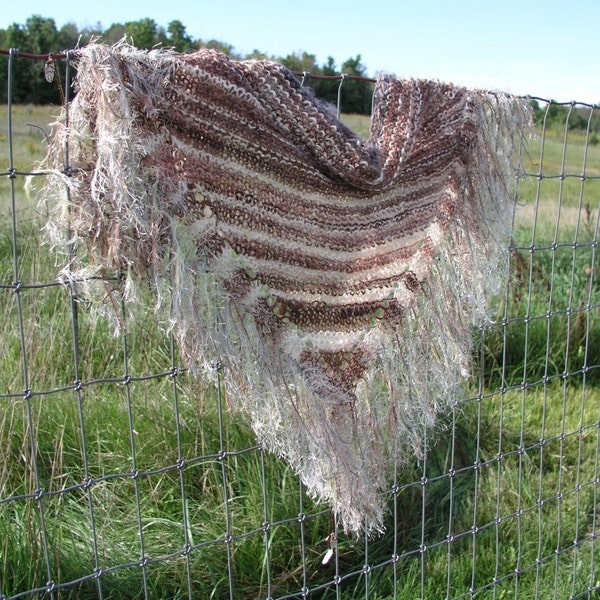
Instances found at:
x=564 y=116
x=39 y=35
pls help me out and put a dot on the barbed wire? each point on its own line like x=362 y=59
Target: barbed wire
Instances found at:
x=304 y=75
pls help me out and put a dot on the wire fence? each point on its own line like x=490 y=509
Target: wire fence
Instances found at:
x=123 y=476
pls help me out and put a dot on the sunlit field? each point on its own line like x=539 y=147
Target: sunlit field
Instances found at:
x=511 y=476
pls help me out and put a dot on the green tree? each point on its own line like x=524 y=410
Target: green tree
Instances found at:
x=38 y=36
x=356 y=95
x=91 y=32
x=15 y=37
x=301 y=63
x=115 y=33
x=220 y=46
x=177 y=37
x=143 y=33
x=68 y=36
x=43 y=38
x=327 y=89
x=42 y=35
x=258 y=55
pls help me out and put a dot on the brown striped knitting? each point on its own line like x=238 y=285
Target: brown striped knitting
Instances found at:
x=336 y=278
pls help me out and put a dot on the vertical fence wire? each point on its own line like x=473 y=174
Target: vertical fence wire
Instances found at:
x=423 y=544
x=222 y=459
x=504 y=499
x=580 y=511
x=77 y=388
x=37 y=494
x=187 y=538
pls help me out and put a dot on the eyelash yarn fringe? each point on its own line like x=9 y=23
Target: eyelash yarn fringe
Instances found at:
x=337 y=279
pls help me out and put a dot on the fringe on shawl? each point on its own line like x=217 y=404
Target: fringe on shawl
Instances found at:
x=123 y=218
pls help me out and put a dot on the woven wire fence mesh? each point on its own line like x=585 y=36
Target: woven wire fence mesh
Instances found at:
x=123 y=476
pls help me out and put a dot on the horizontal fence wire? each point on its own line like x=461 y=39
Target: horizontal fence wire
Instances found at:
x=124 y=476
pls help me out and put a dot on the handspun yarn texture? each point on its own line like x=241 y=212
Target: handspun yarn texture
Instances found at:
x=336 y=279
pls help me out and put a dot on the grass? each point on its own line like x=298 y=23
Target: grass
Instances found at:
x=505 y=501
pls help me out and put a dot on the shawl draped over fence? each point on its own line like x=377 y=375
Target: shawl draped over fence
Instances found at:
x=336 y=279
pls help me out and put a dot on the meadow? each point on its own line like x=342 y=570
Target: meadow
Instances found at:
x=153 y=488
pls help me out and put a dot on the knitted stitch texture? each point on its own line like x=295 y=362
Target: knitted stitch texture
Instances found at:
x=337 y=279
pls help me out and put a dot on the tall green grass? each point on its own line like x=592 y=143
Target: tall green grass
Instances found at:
x=549 y=318
x=504 y=502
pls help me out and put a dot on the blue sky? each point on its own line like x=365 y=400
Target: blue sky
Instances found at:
x=548 y=49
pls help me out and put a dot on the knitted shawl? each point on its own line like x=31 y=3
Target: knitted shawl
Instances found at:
x=335 y=279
